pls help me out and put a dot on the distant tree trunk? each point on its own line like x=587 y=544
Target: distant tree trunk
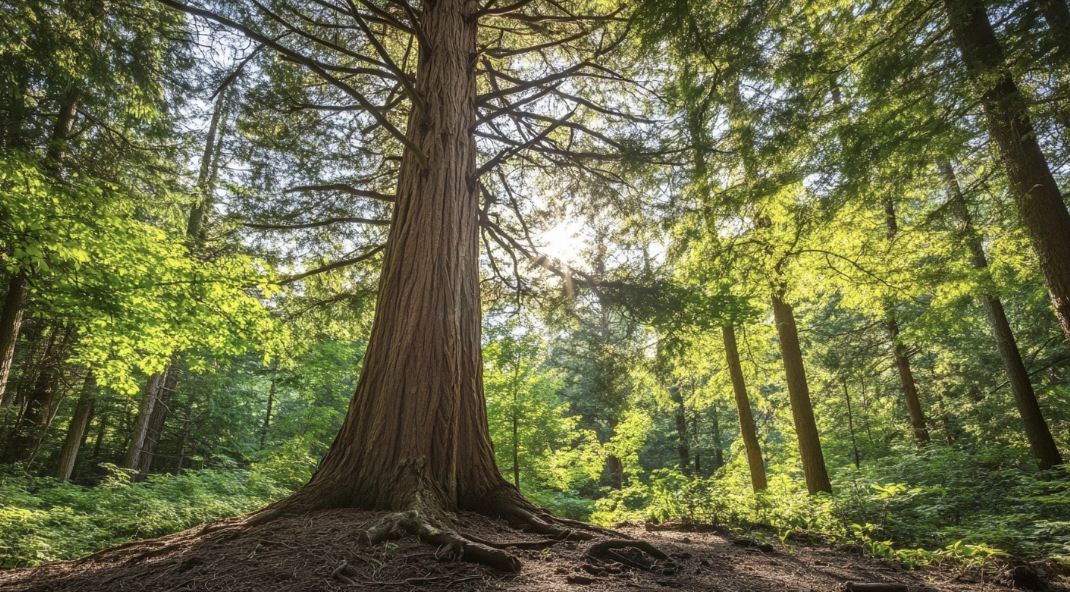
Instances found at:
x=516 y=437
x=615 y=468
x=77 y=429
x=143 y=419
x=746 y=418
x=718 y=444
x=37 y=414
x=156 y=423
x=183 y=441
x=98 y=441
x=851 y=426
x=267 y=415
x=802 y=410
x=1039 y=203
x=902 y=362
x=10 y=322
x=1036 y=428
x=416 y=435
x=683 y=437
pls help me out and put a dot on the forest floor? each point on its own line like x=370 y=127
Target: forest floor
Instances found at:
x=321 y=552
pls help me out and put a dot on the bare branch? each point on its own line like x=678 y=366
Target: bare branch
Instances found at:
x=331 y=266
x=318 y=223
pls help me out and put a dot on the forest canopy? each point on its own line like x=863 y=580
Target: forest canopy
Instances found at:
x=792 y=266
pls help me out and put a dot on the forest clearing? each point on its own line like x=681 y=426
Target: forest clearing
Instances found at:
x=534 y=295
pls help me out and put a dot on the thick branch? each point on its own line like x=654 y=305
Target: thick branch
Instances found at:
x=331 y=266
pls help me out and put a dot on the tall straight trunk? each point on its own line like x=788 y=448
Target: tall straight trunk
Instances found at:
x=77 y=429
x=142 y=420
x=1040 y=205
x=416 y=434
x=851 y=426
x=746 y=418
x=802 y=409
x=267 y=414
x=1037 y=432
x=183 y=442
x=195 y=225
x=10 y=323
x=718 y=445
x=683 y=437
x=156 y=423
x=902 y=362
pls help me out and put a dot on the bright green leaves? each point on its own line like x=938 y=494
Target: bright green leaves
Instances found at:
x=135 y=295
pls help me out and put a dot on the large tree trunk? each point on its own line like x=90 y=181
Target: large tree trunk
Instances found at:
x=77 y=429
x=1039 y=203
x=1036 y=428
x=802 y=410
x=899 y=351
x=746 y=418
x=416 y=435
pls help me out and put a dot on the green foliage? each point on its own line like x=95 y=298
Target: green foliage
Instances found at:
x=42 y=520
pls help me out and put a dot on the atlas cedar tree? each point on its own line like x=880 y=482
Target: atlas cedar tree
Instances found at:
x=746 y=418
x=415 y=437
x=802 y=410
x=1037 y=432
x=1038 y=200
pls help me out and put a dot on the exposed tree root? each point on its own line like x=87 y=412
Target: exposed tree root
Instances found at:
x=451 y=544
x=610 y=550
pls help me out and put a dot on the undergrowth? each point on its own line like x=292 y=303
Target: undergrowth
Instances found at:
x=937 y=505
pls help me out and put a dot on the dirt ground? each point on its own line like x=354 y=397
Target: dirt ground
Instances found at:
x=322 y=552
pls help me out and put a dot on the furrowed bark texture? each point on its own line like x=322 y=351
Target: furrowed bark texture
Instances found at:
x=802 y=410
x=1037 y=432
x=10 y=323
x=1040 y=205
x=143 y=419
x=746 y=418
x=416 y=431
x=77 y=428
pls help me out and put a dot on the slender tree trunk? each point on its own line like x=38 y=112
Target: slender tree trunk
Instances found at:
x=77 y=429
x=32 y=427
x=1036 y=428
x=156 y=423
x=267 y=415
x=143 y=419
x=1039 y=203
x=683 y=438
x=183 y=442
x=10 y=323
x=416 y=435
x=851 y=426
x=802 y=410
x=902 y=362
x=718 y=444
x=746 y=418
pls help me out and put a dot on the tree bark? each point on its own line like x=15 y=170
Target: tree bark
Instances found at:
x=156 y=423
x=416 y=435
x=683 y=437
x=902 y=362
x=1037 y=432
x=802 y=410
x=267 y=415
x=143 y=419
x=746 y=418
x=10 y=323
x=851 y=426
x=1038 y=200
x=77 y=429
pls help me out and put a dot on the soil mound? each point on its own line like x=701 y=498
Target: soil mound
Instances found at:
x=323 y=552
